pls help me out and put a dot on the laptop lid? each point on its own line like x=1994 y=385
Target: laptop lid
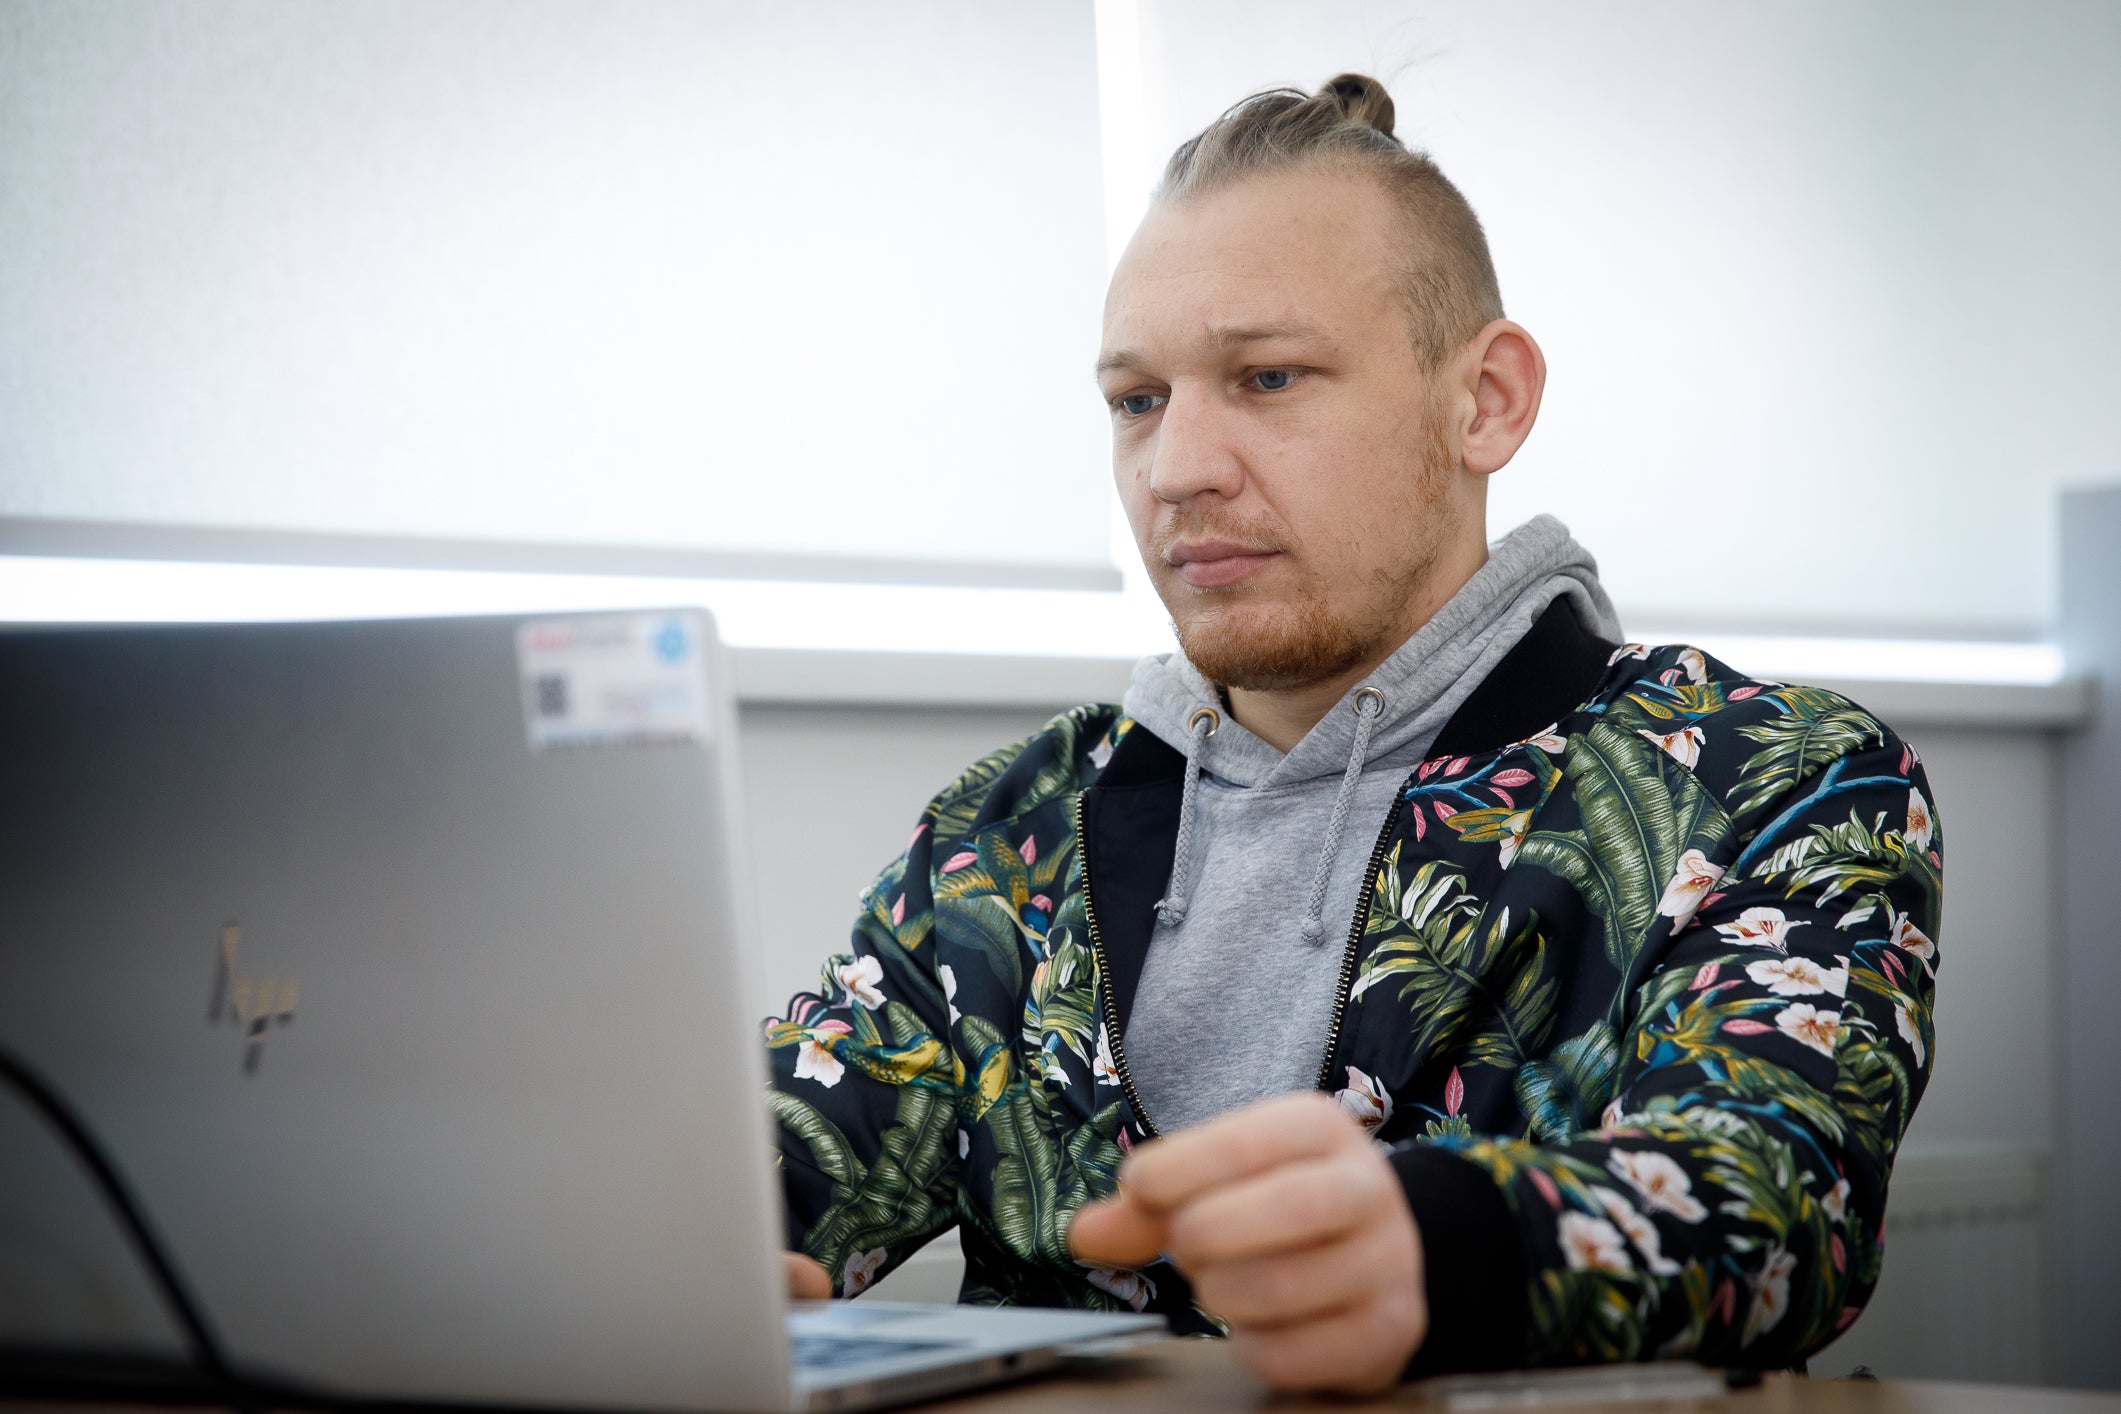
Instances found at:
x=397 y=966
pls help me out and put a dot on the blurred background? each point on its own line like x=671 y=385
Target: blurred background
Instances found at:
x=327 y=310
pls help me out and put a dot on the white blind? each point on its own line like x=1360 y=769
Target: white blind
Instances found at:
x=689 y=288
x=1827 y=290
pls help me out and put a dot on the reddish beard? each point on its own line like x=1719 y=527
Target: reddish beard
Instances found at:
x=1299 y=636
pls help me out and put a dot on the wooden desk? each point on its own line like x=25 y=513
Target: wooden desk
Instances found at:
x=1187 y=1375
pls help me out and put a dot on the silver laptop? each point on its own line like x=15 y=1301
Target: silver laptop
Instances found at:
x=401 y=969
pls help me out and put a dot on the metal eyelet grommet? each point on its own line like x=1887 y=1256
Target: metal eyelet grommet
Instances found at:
x=1213 y=718
x=1373 y=694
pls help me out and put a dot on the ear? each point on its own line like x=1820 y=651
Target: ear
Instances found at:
x=1509 y=375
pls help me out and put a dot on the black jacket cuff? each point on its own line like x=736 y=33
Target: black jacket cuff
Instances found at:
x=1473 y=1265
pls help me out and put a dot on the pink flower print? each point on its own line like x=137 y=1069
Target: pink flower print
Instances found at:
x=959 y=861
x=1029 y=853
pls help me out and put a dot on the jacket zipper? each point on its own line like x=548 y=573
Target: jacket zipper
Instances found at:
x=1363 y=901
x=1104 y=970
x=1110 y=1009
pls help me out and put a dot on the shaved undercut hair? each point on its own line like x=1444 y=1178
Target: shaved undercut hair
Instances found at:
x=1448 y=279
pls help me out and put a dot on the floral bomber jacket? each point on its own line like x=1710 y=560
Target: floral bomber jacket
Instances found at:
x=1638 y=991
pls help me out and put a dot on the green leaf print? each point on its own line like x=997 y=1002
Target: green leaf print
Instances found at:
x=1816 y=727
x=1641 y=811
x=1564 y=1094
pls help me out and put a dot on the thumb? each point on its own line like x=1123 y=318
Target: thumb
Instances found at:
x=1119 y=1231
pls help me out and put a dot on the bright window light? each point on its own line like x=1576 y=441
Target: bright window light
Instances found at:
x=751 y=613
x=842 y=617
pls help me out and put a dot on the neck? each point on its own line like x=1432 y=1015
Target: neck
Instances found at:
x=1283 y=716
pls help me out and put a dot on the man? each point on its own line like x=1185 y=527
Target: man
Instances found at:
x=1411 y=976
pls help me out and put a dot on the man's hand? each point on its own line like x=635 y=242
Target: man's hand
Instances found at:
x=807 y=1281
x=1292 y=1228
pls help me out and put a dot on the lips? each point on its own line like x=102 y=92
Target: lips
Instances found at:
x=1210 y=564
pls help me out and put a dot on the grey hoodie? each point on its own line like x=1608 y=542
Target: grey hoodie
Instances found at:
x=1237 y=989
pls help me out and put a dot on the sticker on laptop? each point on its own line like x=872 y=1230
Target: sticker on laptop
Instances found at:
x=613 y=679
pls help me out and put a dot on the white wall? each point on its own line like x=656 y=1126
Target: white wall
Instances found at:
x=1826 y=288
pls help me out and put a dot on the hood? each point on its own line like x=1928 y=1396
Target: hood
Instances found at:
x=1526 y=570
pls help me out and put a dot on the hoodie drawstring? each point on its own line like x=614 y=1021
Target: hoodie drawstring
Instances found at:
x=1314 y=928
x=1171 y=908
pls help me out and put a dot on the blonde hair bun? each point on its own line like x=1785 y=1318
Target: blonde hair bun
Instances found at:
x=1362 y=99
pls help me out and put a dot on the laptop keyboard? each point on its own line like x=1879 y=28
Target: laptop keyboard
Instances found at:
x=832 y=1352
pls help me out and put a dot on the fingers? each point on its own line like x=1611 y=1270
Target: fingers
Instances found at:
x=807 y=1281
x=1172 y=1171
x=1300 y=1204
x=1357 y=1349
x=1117 y=1232
x=1291 y=1288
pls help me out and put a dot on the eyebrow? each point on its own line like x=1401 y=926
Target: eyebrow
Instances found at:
x=1228 y=337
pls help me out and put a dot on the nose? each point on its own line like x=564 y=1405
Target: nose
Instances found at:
x=1196 y=449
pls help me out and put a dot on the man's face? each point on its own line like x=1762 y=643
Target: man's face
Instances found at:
x=1286 y=464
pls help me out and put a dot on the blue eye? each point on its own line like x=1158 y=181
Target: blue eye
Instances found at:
x=1273 y=380
x=1138 y=404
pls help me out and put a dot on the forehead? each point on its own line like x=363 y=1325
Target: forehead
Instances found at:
x=1311 y=247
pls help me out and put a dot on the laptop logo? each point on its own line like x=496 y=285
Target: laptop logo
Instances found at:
x=248 y=1000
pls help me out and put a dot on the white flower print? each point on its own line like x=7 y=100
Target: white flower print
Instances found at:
x=1912 y=1034
x=814 y=1059
x=1593 y=1244
x=949 y=991
x=1550 y=741
x=1836 y=1203
x=1909 y=938
x=1759 y=928
x=1771 y=1295
x=1801 y=1021
x=1514 y=828
x=1920 y=823
x=1691 y=883
x=1102 y=1068
x=1365 y=1100
x=861 y=1270
x=964 y=1144
x=1798 y=977
x=1660 y=1182
x=1627 y=650
x=1639 y=1229
x=860 y=977
x=1129 y=1286
x=1682 y=746
x=1101 y=753
x=1692 y=664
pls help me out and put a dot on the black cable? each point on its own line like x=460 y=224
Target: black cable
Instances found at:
x=205 y=1347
